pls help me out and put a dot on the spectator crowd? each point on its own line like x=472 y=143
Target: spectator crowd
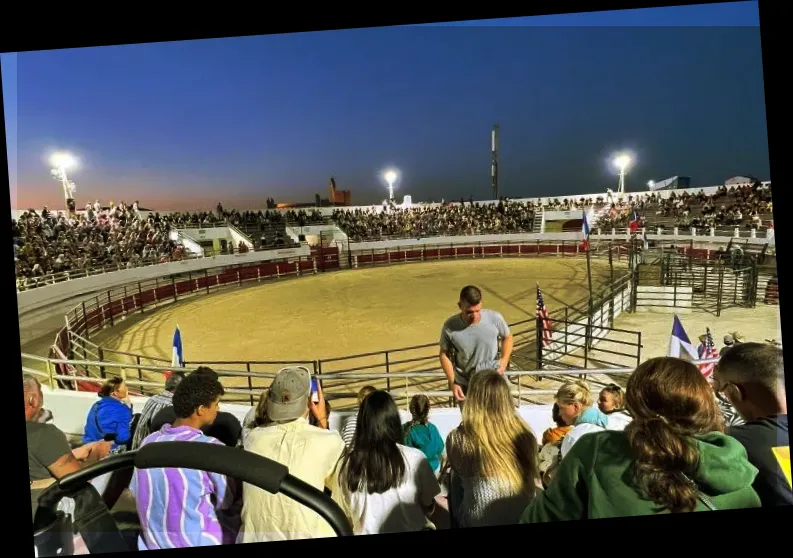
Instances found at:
x=115 y=236
x=748 y=207
x=660 y=444
x=443 y=220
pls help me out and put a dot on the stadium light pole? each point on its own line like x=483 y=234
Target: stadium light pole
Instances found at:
x=61 y=163
x=622 y=162
x=390 y=177
x=650 y=184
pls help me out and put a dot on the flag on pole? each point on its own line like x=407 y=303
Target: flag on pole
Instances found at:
x=708 y=353
x=177 y=360
x=585 y=230
x=679 y=344
x=542 y=314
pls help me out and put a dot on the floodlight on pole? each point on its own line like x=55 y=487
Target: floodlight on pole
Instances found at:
x=651 y=184
x=622 y=162
x=61 y=163
x=390 y=177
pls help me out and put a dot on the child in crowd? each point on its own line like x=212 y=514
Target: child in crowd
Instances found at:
x=611 y=403
x=550 y=451
x=421 y=434
x=554 y=435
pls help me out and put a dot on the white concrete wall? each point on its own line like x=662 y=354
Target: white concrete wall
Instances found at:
x=33 y=299
x=70 y=410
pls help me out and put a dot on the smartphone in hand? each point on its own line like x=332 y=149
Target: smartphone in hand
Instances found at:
x=314 y=389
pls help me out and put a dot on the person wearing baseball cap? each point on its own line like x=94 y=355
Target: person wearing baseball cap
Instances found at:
x=281 y=432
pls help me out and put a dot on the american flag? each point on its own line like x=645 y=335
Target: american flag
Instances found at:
x=708 y=352
x=542 y=313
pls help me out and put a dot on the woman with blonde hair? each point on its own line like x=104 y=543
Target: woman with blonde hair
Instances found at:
x=493 y=457
x=673 y=457
x=576 y=409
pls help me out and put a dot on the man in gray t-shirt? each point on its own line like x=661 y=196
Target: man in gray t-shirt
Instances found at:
x=470 y=342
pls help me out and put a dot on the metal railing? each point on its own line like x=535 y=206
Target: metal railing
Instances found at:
x=251 y=394
x=396 y=363
x=702 y=233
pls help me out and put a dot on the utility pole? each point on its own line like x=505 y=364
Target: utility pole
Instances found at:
x=494 y=160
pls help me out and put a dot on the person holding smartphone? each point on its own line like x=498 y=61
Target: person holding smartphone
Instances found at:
x=282 y=432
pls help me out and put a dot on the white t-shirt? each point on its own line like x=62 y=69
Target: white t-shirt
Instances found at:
x=574 y=434
x=618 y=421
x=400 y=509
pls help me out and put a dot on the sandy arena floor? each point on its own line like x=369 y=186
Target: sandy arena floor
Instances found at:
x=349 y=312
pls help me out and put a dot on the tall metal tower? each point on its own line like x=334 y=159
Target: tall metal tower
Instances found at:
x=494 y=160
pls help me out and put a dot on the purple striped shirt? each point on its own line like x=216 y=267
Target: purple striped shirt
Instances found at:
x=180 y=508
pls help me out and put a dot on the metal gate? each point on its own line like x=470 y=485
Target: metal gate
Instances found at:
x=716 y=284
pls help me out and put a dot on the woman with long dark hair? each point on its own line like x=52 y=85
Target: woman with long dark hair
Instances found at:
x=673 y=457
x=384 y=486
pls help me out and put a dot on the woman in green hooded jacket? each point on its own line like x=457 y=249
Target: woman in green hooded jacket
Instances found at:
x=673 y=457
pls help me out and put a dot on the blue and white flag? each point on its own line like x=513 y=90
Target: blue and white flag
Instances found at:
x=585 y=231
x=680 y=345
x=177 y=360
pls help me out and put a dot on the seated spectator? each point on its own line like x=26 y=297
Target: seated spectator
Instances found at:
x=576 y=409
x=611 y=403
x=182 y=508
x=752 y=376
x=49 y=455
x=673 y=456
x=382 y=485
x=311 y=453
x=110 y=418
x=348 y=432
x=250 y=421
x=225 y=427
x=550 y=452
x=555 y=435
x=155 y=404
x=730 y=340
x=493 y=457
x=421 y=434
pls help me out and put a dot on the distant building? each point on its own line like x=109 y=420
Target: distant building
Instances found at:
x=338 y=197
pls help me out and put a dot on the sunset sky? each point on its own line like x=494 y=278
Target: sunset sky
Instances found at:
x=186 y=125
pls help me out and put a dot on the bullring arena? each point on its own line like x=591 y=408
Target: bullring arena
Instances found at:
x=334 y=315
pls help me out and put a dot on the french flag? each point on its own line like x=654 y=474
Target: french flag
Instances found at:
x=177 y=360
x=585 y=231
x=634 y=221
x=679 y=344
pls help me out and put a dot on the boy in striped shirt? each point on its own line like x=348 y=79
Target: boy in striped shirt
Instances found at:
x=180 y=508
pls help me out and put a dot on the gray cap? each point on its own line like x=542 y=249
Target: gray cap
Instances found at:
x=288 y=394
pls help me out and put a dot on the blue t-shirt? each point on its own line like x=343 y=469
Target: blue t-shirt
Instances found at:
x=425 y=437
